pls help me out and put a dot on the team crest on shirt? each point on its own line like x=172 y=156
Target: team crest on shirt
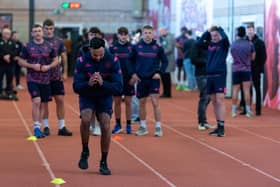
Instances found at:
x=87 y=65
x=129 y=48
x=115 y=48
x=155 y=47
x=140 y=46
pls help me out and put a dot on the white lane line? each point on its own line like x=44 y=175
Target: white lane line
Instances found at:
x=232 y=126
x=243 y=163
x=38 y=148
x=134 y=156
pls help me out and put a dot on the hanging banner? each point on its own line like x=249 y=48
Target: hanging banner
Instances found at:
x=272 y=41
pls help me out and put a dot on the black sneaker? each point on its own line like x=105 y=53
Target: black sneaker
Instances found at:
x=219 y=132
x=64 y=132
x=47 y=131
x=104 y=170
x=83 y=163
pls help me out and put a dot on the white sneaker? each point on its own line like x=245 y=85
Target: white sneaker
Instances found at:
x=19 y=87
x=233 y=114
x=94 y=128
x=158 y=132
x=97 y=130
x=249 y=114
x=141 y=131
x=208 y=126
x=201 y=127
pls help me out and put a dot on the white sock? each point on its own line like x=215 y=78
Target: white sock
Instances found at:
x=143 y=124
x=233 y=108
x=61 y=123
x=158 y=125
x=248 y=108
x=45 y=122
x=36 y=124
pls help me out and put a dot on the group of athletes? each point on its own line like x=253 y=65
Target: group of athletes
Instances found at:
x=103 y=74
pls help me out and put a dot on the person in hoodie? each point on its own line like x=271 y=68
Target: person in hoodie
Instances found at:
x=97 y=78
x=198 y=57
x=92 y=33
x=121 y=49
x=216 y=75
x=147 y=63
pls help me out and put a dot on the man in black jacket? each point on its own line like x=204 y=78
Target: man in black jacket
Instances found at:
x=198 y=57
x=7 y=57
x=257 y=64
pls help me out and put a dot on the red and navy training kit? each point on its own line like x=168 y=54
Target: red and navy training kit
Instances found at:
x=122 y=51
x=147 y=59
x=57 y=87
x=98 y=98
x=216 y=64
x=38 y=82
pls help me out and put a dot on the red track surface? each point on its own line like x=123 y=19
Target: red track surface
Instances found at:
x=247 y=156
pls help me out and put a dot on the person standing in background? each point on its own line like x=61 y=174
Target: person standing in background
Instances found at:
x=257 y=65
x=199 y=59
x=168 y=44
x=17 y=68
x=180 y=58
x=188 y=66
x=7 y=59
x=216 y=75
x=243 y=53
x=56 y=80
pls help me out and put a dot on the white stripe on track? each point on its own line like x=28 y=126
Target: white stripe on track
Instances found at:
x=135 y=156
x=222 y=152
x=243 y=163
x=232 y=126
x=37 y=146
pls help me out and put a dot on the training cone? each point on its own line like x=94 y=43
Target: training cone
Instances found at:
x=58 y=181
x=118 y=138
x=31 y=138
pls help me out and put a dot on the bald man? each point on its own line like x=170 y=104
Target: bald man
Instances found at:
x=7 y=57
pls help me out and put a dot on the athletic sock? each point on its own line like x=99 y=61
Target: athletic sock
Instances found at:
x=248 y=109
x=143 y=123
x=85 y=147
x=61 y=123
x=220 y=123
x=118 y=121
x=45 y=122
x=233 y=108
x=158 y=125
x=104 y=157
x=36 y=124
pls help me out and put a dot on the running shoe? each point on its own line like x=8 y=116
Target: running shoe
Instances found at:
x=208 y=126
x=64 y=132
x=117 y=129
x=219 y=132
x=38 y=133
x=83 y=163
x=158 y=132
x=249 y=114
x=201 y=127
x=233 y=114
x=47 y=131
x=104 y=170
x=141 y=131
